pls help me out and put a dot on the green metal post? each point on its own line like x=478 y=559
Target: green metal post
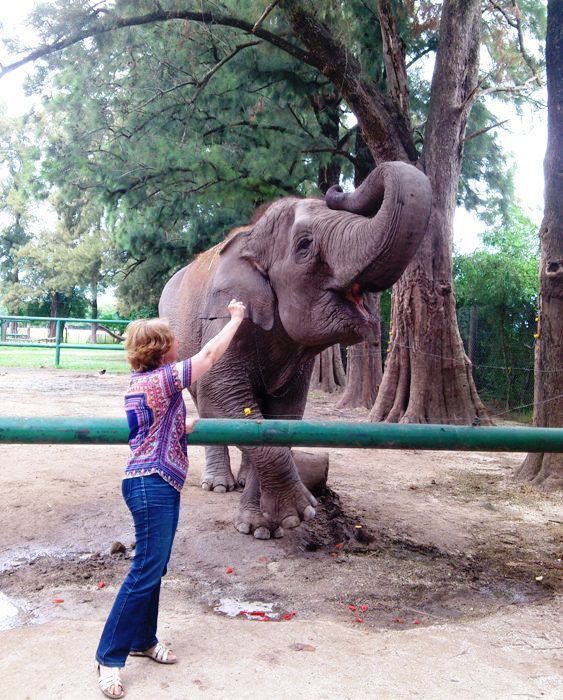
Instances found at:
x=49 y=430
x=58 y=343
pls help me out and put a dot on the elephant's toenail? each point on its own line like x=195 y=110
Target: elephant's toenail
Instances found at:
x=243 y=528
x=220 y=488
x=205 y=486
x=290 y=521
x=262 y=533
x=278 y=533
x=309 y=513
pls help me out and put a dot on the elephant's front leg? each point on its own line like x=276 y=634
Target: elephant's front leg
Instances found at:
x=217 y=476
x=274 y=497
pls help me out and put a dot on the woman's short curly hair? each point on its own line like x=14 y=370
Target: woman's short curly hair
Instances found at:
x=146 y=341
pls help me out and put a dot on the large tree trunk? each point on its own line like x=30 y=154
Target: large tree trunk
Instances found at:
x=328 y=371
x=427 y=375
x=56 y=310
x=472 y=336
x=546 y=470
x=364 y=369
x=94 y=313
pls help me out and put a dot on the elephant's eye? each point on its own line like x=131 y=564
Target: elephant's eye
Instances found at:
x=303 y=245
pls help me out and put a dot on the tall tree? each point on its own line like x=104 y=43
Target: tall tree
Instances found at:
x=427 y=375
x=545 y=470
x=16 y=158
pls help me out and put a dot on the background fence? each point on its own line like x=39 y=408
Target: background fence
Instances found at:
x=53 y=332
x=499 y=344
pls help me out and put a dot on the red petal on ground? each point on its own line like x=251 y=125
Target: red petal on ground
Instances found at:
x=363 y=608
x=359 y=619
x=229 y=570
x=101 y=584
x=339 y=545
x=351 y=607
x=58 y=600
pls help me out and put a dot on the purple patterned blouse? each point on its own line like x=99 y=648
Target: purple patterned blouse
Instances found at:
x=156 y=414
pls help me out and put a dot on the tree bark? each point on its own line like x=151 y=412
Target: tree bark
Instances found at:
x=328 y=371
x=427 y=375
x=543 y=470
x=94 y=312
x=472 y=337
x=364 y=368
x=56 y=303
x=313 y=469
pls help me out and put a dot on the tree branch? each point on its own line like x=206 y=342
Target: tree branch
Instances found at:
x=475 y=134
x=111 y=22
x=264 y=15
x=335 y=151
x=516 y=23
x=507 y=88
x=386 y=132
x=207 y=77
x=394 y=58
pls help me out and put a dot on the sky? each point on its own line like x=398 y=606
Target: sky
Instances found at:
x=525 y=138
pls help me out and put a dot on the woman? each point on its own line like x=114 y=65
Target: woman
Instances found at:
x=154 y=476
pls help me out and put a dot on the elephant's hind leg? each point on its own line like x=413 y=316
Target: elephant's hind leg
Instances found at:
x=217 y=476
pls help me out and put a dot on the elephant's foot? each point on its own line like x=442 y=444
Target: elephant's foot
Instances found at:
x=217 y=476
x=287 y=507
x=218 y=483
x=267 y=514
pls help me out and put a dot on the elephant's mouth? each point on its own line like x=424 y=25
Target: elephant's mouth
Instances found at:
x=354 y=295
x=353 y=298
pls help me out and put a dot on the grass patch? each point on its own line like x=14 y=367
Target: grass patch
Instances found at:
x=83 y=360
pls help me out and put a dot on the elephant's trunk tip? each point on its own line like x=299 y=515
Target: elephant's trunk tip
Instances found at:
x=334 y=197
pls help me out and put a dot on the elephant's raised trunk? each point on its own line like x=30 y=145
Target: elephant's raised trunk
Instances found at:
x=394 y=204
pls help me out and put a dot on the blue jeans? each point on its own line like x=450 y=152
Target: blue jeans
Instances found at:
x=131 y=625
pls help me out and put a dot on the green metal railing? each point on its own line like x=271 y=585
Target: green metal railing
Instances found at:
x=96 y=431
x=59 y=344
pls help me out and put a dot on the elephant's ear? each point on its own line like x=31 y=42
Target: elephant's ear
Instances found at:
x=236 y=275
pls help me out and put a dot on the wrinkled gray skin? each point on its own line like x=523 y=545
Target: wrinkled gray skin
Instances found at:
x=301 y=270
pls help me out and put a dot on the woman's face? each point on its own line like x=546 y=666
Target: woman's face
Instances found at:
x=171 y=355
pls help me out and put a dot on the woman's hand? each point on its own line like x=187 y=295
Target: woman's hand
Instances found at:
x=190 y=425
x=236 y=309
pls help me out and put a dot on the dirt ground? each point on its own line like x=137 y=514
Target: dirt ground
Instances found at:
x=453 y=568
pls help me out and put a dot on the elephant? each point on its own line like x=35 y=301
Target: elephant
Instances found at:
x=301 y=270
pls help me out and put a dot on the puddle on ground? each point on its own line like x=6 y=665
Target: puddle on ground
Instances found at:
x=13 y=613
x=251 y=610
x=14 y=558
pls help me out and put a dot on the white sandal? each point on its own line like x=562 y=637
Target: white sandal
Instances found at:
x=110 y=679
x=158 y=653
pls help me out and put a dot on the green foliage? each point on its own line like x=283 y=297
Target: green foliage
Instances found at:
x=500 y=282
x=17 y=161
x=156 y=139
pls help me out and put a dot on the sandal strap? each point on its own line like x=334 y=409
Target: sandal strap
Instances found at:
x=160 y=652
x=112 y=678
